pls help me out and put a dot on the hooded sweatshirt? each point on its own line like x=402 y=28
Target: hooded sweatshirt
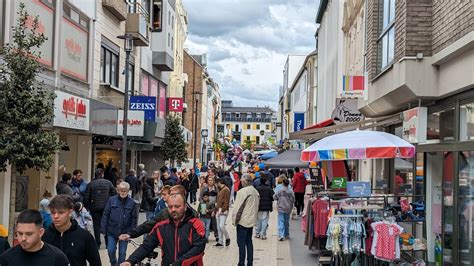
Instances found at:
x=77 y=243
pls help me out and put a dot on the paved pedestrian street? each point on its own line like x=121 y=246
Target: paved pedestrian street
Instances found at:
x=266 y=252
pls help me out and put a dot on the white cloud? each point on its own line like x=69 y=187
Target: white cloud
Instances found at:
x=247 y=42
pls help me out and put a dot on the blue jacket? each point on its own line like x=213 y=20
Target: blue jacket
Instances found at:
x=120 y=216
x=79 y=188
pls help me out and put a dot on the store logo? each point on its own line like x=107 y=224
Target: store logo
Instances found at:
x=74 y=107
x=175 y=104
x=142 y=106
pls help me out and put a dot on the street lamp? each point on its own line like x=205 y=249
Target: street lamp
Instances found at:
x=128 y=39
x=196 y=99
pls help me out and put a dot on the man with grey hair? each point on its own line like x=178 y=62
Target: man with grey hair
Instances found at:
x=244 y=218
x=120 y=216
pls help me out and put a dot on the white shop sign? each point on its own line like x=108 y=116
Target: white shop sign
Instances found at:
x=136 y=123
x=71 y=111
x=415 y=124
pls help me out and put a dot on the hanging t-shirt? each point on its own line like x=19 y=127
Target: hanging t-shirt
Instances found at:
x=320 y=210
x=387 y=236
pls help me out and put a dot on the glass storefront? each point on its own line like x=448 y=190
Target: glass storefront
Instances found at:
x=466 y=207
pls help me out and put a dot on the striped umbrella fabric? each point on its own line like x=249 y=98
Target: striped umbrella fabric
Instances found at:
x=358 y=144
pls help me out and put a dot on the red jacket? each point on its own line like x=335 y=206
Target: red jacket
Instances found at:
x=299 y=183
x=181 y=244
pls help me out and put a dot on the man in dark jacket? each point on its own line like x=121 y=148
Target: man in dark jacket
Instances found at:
x=120 y=216
x=65 y=234
x=264 y=208
x=194 y=185
x=132 y=179
x=97 y=194
x=78 y=185
x=181 y=237
x=64 y=186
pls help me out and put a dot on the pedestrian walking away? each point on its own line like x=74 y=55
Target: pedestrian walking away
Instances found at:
x=66 y=234
x=120 y=216
x=132 y=179
x=285 y=199
x=97 y=194
x=222 y=207
x=245 y=218
x=299 y=184
x=181 y=237
x=31 y=250
x=264 y=208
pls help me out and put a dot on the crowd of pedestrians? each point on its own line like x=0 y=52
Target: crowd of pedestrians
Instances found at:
x=67 y=230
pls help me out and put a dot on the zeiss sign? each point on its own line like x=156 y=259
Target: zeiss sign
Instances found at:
x=146 y=104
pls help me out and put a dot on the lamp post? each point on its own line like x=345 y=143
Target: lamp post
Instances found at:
x=128 y=38
x=196 y=100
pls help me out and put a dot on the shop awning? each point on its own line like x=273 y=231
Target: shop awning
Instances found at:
x=287 y=159
x=314 y=134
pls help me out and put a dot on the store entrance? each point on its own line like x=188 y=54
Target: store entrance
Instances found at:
x=450 y=201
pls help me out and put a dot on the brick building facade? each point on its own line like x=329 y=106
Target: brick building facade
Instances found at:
x=195 y=71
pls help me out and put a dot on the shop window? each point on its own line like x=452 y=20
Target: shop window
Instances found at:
x=109 y=65
x=156 y=18
x=466 y=208
x=386 y=40
x=441 y=126
x=466 y=124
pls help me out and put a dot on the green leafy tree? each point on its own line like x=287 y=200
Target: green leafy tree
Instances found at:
x=247 y=145
x=174 y=146
x=26 y=105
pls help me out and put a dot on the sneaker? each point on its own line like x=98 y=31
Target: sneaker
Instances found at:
x=218 y=245
x=257 y=236
x=264 y=237
x=281 y=239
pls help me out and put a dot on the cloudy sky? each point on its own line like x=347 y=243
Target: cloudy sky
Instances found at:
x=247 y=42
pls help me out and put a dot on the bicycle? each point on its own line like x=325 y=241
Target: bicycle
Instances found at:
x=153 y=255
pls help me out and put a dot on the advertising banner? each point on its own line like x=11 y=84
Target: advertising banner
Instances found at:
x=146 y=104
x=298 y=122
x=71 y=111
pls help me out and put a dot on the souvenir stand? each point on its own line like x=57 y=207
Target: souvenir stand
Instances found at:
x=347 y=223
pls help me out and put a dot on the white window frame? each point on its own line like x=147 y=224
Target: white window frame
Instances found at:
x=386 y=39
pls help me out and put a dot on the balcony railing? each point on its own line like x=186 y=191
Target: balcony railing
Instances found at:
x=137 y=24
x=244 y=119
x=117 y=7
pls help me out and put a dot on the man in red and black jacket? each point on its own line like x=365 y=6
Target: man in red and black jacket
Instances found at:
x=181 y=237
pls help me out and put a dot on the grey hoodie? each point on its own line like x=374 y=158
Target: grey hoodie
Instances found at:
x=285 y=199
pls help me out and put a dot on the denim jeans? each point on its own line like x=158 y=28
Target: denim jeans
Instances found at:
x=244 y=241
x=112 y=248
x=207 y=225
x=223 y=234
x=262 y=223
x=283 y=225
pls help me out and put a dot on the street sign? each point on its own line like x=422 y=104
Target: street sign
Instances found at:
x=298 y=123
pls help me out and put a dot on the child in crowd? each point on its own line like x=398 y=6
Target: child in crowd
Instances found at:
x=45 y=213
x=285 y=199
x=83 y=217
x=162 y=203
x=206 y=211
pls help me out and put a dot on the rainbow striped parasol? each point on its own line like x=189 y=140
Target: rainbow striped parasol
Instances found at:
x=358 y=144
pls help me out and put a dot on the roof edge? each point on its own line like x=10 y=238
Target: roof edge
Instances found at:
x=322 y=8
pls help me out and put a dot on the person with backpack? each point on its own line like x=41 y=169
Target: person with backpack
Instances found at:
x=193 y=186
x=285 y=199
x=264 y=208
x=97 y=194
x=83 y=217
